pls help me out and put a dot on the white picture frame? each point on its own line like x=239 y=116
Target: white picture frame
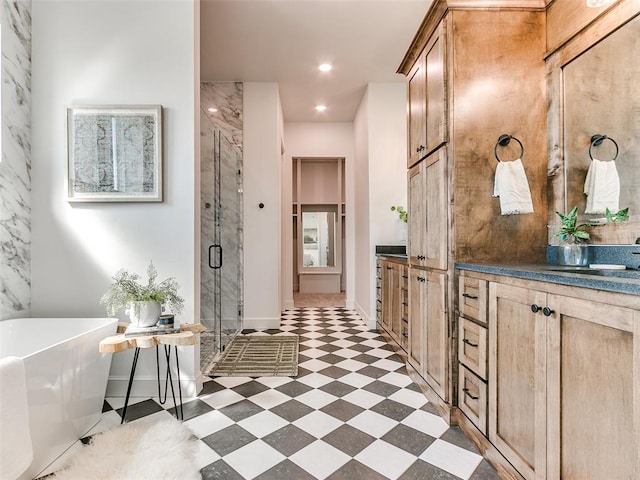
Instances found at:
x=114 y=153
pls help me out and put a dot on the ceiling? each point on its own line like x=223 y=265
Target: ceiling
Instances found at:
x=284 y=41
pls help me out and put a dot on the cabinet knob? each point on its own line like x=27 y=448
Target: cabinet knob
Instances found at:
x=466 y=392
x=535 y=308
x=546 y=311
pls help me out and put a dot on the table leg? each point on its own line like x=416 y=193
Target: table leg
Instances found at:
x=131 y=375
x=179 y=385
x=168 y=382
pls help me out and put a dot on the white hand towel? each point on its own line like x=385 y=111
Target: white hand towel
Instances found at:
x=602 y=187
x=17 y=449
x=512 y=187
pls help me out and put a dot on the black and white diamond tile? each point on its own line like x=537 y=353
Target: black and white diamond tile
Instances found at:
x=351 y=414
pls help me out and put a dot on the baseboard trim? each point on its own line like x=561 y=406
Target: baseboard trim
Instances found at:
x=288 y=305
x=147 y=386
x=261 y=323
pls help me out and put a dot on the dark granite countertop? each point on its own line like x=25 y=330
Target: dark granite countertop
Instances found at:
x=620 y=281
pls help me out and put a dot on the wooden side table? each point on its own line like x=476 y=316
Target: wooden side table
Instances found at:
x=187 y=336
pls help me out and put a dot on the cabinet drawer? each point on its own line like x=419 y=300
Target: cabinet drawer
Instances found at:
x=472 y=398
x=472 y=299
x=472 y=347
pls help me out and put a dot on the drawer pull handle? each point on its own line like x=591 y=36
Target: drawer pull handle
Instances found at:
x=471 y=344
x=468 y=295
x=466 y=392
x=546 y=311
x=535 y=308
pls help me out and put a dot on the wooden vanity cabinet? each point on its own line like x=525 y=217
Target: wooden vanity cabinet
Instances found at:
x=564 y=365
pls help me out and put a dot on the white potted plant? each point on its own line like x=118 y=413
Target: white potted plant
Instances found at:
x=143 y=302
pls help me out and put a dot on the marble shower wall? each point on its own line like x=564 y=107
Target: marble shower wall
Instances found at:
x=221 y=187
x=15 y=167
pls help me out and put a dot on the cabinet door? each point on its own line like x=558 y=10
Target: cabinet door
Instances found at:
x=385 y=294
x=417 y=282
x=436 y=115
x=393 y=312
x=590 y=400
x=417 y=108
x=437 y=209
x=436 y=333
x=517 y=383
x=417 y=212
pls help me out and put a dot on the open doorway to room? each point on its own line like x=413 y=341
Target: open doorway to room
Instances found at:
x=318 y=195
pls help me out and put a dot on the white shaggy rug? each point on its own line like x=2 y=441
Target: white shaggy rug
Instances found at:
x=137 y=451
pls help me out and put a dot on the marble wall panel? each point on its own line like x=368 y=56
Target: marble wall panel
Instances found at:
x=15 y=167
x=226 y=97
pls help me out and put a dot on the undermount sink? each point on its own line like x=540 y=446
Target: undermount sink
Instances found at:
x=634 y=274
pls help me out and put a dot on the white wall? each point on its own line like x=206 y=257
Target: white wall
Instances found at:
x=318 y=139
x=262 y=120
x=113 y=52
x=381 y=151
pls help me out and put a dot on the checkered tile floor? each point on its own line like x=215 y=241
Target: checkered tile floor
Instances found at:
x=352 y=413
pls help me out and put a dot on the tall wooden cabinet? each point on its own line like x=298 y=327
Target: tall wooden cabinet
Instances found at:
x=468 y=83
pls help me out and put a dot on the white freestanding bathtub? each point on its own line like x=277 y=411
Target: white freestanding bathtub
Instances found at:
x=66 y=379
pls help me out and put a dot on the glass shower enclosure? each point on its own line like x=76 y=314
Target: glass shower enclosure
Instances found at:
x=221 y=241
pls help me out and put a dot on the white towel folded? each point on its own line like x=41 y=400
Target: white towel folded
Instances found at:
x=512 y=187
x=17 y=450
x=602 y=187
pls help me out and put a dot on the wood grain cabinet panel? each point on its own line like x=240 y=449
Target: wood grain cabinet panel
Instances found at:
x=590 y=399
x=436 y=357
x=417 y=112
x=472 y=398
x=472 y=347
x=417 y=286
x=436 y=100
x=517 y=383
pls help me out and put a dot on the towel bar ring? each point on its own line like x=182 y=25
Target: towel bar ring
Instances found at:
x=503 y=141
x=597 y=140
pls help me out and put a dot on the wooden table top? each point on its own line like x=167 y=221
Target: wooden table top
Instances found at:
x=119 y=343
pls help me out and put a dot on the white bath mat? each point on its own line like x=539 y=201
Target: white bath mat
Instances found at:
x=137 y=451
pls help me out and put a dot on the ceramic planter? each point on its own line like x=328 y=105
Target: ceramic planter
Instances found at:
x=144 y=314
x=576 y=255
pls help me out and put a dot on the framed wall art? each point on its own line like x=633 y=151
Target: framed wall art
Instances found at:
x=114 y=153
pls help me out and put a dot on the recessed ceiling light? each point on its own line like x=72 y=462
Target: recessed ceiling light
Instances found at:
x=321 y=108
x=325 y=67
x=212 y=109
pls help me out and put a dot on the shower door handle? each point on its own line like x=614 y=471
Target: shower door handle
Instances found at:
x=219 y=264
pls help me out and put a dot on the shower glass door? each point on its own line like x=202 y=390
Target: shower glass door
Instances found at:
x=221 y=240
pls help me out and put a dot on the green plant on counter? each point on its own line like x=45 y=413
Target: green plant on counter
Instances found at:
x=619 y=216
x=126 y=288
x=571 y=230
x=402 y=213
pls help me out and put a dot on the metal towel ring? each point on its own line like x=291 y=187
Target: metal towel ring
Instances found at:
x=503 y=141
x=597 y=140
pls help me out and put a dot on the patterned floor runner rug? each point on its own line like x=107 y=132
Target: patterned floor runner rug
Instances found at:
x=257 y=356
